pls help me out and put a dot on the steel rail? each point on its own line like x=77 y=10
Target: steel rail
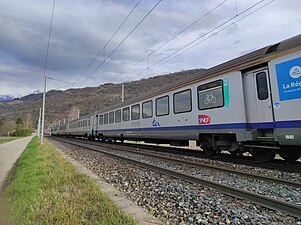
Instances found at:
x=267 y=202
x=271 y=165
x=199 y=164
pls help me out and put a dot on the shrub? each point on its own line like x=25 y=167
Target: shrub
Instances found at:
x=21 y=133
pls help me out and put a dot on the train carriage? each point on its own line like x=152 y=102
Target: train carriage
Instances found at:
x=249 y=104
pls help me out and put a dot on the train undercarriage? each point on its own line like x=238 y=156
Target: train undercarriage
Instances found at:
x=211 y=144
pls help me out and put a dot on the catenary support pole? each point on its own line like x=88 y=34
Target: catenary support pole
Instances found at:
x=43 y=111
x=39 y=123
x=122 y=92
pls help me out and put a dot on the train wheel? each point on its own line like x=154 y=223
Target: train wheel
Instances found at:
x=263 y=155
x=290 y=153
x=207 y=147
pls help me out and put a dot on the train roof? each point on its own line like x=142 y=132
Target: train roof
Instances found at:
x=247 y=61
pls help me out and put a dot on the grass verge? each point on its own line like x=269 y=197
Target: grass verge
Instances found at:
x=4 y=140
x=44 y=188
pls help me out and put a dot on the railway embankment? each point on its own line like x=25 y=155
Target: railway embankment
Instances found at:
x=171 y=197
x=44 y=188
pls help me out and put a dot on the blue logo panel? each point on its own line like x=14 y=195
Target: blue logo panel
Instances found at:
x=289 y=79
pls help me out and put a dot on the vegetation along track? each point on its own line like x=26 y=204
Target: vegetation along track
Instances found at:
x=269 y=202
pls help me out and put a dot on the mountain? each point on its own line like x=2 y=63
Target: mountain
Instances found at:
x=37 y=95
x=6 y=98
x=65 y=105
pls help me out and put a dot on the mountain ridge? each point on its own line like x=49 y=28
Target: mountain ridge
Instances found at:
x=66 y=105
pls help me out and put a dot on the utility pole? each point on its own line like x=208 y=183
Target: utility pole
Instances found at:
x=39 y=123
x=43 y=111
x=122 y=92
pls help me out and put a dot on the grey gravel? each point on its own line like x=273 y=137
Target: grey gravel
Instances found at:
x=278 y=191
x=172 y=200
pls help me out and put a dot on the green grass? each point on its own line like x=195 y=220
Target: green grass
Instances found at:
x=4 y=140
x=46 y=189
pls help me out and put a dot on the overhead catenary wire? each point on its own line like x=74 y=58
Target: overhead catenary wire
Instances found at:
x=218 y=31
x=63 y=81
x=175 y=36
x=120 y=43
x=155 y=50
x=166 y=59
x=108 y=41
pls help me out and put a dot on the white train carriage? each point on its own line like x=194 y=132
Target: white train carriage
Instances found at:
x=251 y=103
x=59 y=129
x=80 y=127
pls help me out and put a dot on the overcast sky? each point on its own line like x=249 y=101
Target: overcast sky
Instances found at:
x=82 y=27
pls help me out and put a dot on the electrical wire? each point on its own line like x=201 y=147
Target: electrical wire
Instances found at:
x=112 y=36
x=120 y=43
x=166 y=59
x=172 y=38
x=220 y=31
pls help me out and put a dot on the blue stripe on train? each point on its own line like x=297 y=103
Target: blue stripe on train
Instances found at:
x=280 y=124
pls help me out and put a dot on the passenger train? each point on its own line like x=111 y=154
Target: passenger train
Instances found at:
x=248 y=104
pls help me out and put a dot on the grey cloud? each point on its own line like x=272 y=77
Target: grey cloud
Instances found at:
x=82 y=27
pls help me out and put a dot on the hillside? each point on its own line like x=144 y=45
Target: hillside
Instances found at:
x=62 y=105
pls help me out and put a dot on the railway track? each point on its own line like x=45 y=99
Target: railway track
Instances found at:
x=291 y=209
x=133 y=149
x=276 y=164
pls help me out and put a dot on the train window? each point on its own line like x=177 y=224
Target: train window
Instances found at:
x=211 y=95
x=126 y=114
x=182 y=101
x=162 y=106
x=105 y=118
x=111 y=117
x=262 y=86
x=100 y=120
x=147 y=109
x=135 y=112
x=118 y=115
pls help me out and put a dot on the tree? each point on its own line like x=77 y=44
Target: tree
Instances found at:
x=19 y=123
x=1 y=121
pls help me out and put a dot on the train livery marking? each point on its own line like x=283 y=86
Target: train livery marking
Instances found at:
x=226 y=92
x=204 y=119
x=289 y=79
x=155 y=123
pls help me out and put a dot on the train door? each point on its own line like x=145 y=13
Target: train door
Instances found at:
x=258 y=99
x=95 y=125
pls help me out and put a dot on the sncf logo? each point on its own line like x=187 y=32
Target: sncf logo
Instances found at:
x=204 y=119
